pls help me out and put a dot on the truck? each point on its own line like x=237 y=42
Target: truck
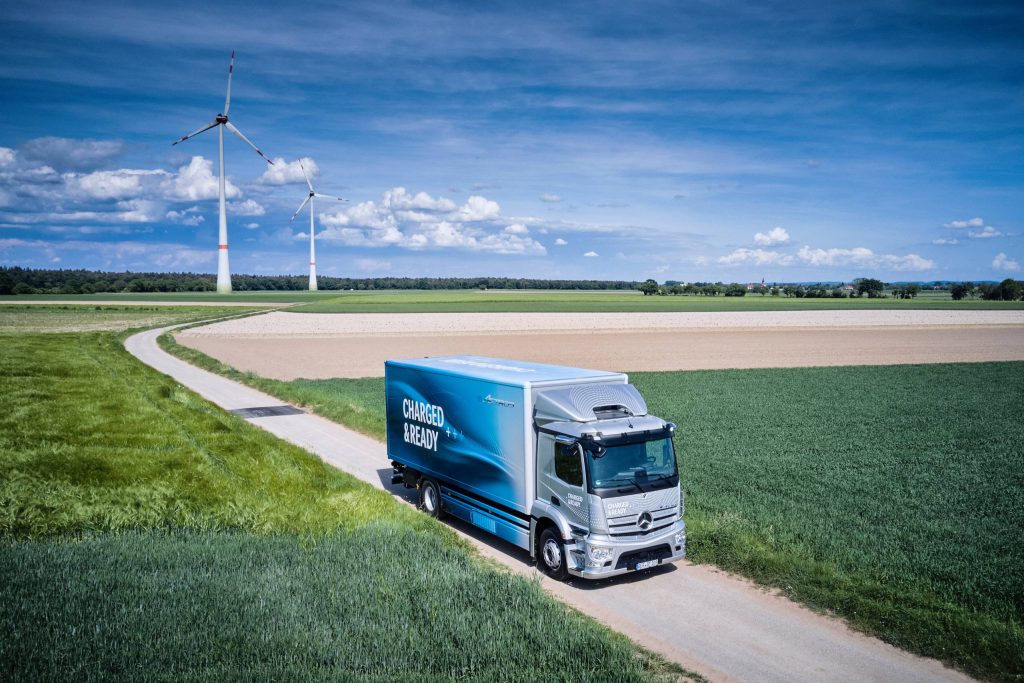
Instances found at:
x=563 y=462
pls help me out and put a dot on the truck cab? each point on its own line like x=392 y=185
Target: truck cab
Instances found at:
x=608 y=496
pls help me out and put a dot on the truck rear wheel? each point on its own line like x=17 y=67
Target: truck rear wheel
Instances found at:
x=551 y=555
x=430 y=497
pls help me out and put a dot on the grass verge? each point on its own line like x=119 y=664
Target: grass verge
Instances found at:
x=890 y=495
x=144 y=533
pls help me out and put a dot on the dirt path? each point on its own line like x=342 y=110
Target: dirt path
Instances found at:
x=711 y=622
x=292 y=345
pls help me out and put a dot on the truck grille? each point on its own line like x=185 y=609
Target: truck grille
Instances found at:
x=629 y=560
x=626 y=525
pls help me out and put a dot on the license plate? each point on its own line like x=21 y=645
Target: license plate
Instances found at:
x=647 y=565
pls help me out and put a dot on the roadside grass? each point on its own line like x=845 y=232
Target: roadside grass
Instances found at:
x=144 y=533
x=94 y=318
x=94 y=440
x=890 y=495
x=355 y=403
x=517 y=301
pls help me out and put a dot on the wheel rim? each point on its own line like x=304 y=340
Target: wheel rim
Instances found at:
x=552 y=554
x=429 y=498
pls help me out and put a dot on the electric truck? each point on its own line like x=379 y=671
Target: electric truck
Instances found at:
x=563 y=462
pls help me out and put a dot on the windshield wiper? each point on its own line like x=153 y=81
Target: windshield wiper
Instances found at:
x=635 y=483
x=609 y=483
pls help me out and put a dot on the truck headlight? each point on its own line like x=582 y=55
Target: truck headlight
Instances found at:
x=599 y=554
x=680 y=537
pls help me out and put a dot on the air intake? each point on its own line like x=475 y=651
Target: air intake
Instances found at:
x=611 y=412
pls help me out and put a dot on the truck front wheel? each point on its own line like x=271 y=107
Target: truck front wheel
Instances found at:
x=551 y=557
x=430 y=497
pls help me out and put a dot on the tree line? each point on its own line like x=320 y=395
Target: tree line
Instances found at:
x=17 y=280
x=872 y=288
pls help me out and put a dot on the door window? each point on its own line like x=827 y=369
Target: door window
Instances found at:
x=568 y=466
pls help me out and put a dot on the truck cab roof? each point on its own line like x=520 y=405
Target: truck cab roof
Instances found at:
x=503 y=371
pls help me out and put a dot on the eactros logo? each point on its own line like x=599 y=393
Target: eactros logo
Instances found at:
x=644 y=521
x=498 y=401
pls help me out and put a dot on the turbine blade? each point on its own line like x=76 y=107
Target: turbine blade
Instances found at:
x=330 y=196
x=304 y=201
x=248 y=142
x=227 y=98
x=305 y=175
x=207 y=127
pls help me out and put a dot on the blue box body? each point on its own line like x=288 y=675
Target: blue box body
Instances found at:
x=468 y=421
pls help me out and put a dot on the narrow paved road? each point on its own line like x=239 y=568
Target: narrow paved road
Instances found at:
x=710 y=622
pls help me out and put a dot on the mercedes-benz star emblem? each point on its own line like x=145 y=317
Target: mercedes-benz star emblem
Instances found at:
x=644 y=521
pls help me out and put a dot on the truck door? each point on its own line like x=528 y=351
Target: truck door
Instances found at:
x=560 y=480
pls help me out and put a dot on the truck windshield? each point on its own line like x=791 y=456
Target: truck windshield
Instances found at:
x=646 y=464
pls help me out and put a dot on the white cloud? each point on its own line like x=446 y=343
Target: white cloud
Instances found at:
x=70 y=154
x=479 y=208
x=560 y=242
x=372 y=265
x=195 y=182
x=591 y=254
x=398 y=199
x=249 y=207
x=180 y=216
x=251 y=226
x=985 y=233
x=121 y=184
x=1004 y=262
x=863 y=257
x=7 y=156
x=419 y=221
x=757 y=257
x=970 y=223
x=288 y=173
x=942 y=241
x=776 y=235
x=548 y=197
x=140 y=211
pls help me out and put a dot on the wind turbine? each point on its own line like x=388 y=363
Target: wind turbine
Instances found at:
x=222 y=122
x=312 y=247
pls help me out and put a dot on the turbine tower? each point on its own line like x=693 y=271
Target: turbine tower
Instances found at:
x=222 y=122
x=312 y=246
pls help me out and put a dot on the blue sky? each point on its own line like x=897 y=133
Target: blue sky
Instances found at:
x=678 y=140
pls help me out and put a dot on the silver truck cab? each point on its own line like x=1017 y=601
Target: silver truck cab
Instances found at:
x=608 y=498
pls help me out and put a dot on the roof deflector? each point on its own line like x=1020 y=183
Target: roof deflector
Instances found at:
x=588 y=402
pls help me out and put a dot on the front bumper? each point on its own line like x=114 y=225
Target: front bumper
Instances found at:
x=626 y=554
